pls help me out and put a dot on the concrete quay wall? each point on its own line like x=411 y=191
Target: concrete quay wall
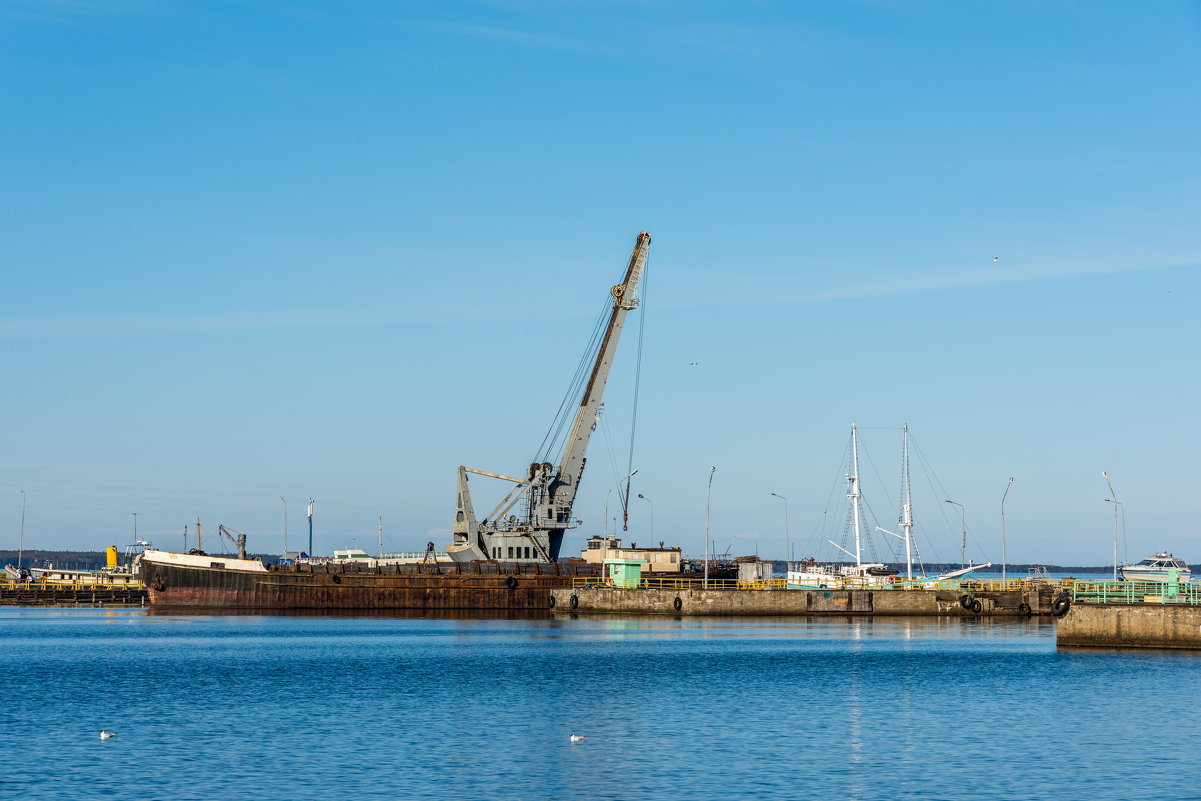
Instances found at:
x=769 y=602
x=1130 y=626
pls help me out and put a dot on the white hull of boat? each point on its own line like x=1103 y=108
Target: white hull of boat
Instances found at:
x=1157 y=575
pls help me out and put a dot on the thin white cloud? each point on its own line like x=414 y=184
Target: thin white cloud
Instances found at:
x=941 y=280
x=735 y=290
x=117 y=325
x=63 y=11
x=512 y=36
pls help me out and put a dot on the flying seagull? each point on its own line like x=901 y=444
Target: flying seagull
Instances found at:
x=994 y=258
x=693 y=364
x=107 y=735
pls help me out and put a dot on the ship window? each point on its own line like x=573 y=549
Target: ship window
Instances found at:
x=527 y=552
x=510 y=551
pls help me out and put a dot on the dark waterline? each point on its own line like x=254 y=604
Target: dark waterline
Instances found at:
x=308 y=707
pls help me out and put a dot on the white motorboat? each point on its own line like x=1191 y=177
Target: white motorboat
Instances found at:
x=1156 y=568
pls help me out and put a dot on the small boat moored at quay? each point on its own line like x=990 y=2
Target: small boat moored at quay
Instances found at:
x=1156 y=568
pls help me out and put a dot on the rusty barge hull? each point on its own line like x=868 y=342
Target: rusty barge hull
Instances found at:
x=428 y=588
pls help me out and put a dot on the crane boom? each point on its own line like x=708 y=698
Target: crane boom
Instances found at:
x=624 y=299
x=550 y=492
x=239 y=542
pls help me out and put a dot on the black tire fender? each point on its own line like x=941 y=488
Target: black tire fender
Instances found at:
x=574 y=602
x=336 y=579
x=677 y=604
x=1061 y=605
x=965 y=601
x=511 y=582
x=550 y=602
x=1024 y=610
x=977 y=607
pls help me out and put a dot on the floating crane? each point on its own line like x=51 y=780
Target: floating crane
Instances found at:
x=548 y=492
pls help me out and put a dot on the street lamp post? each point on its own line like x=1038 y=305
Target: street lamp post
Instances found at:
x=652 y=503
x=787 y=547
x=708 y=495
x=135 y=525
x=311 y=527
x=21 y=546
x=285 y=527
x=1007 y=486
x=605 y=538
x=1116 y=503
x=962 y=531
x=1113 y=498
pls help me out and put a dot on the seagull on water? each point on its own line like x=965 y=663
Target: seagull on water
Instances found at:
x=577 y=738
x=107 y=735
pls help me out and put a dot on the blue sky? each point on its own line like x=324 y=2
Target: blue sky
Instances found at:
x=338 y=249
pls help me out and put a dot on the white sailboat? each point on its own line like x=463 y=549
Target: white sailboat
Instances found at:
x=923 y=580
x=860 y=575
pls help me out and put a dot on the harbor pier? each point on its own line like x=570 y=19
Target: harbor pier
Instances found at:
x=691 y=597
x=1126 y=614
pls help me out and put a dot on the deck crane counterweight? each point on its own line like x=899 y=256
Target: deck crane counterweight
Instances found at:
x=549 y=492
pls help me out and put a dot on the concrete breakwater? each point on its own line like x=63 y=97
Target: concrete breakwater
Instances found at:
x=783 y=602
x=1123 y=625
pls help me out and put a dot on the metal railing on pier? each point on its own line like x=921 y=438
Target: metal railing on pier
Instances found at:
x=1137 y=592
x=985 y=585
x=838 y=583
x=90 y=584
x=658 y=583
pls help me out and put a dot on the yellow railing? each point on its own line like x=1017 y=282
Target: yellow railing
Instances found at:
x=984 y=585
x=837 y=583
x=656 y=583
x=44 y=584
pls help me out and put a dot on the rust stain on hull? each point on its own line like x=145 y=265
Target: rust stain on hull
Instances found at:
x=464 y=588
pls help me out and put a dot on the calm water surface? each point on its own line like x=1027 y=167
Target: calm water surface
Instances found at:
x=271 y=707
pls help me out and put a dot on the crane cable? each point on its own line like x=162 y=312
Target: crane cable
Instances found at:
x=625 y=500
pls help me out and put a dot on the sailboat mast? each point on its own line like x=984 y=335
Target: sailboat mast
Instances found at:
x=907 y=515
x=854 y=479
